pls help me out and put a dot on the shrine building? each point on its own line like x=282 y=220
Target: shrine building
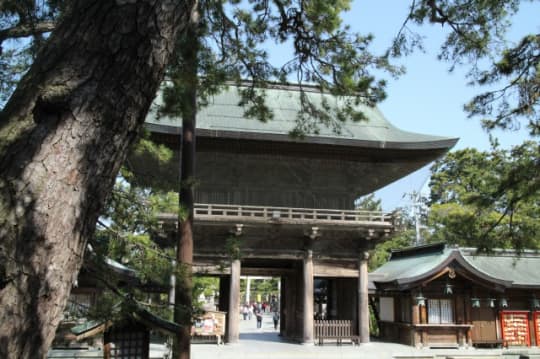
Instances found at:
x=288 y=203
x=441 y=296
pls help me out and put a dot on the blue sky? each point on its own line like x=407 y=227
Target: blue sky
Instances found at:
x=428 y=99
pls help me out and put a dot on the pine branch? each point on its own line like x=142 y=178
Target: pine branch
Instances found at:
x=25 y=30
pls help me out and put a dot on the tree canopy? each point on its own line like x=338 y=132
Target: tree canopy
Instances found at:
x=324 y=51
x=480 y=199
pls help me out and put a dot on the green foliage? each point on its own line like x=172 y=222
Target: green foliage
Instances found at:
x=24 y=25
x=406 y=235
x=156 y=163
x=520 y=67
x=476 y=37
x=232 y=245
x=107 y=308
x=265 y=288
x=487 y=200
x=232 y=38
x=368 y=203
x=382 y=251
x=129 y=233
x=205 y=285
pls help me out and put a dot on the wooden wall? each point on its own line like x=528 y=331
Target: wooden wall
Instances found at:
x=477 y=326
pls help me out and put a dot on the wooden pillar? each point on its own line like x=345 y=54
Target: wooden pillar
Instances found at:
x=363 y=299
x=224 y=289
x=234 y=303
x=282 y=306
x=416 y=338
x=308 y=298
x=291 y=291
x=333 y=299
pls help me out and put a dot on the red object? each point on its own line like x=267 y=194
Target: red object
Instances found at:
x=537 y=326
x=515 y=328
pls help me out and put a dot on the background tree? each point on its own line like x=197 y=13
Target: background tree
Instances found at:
x=368 y=203
x=508 y=72
x=476 y=199
x=405 y=237
x=129 y=232
x=24 y=25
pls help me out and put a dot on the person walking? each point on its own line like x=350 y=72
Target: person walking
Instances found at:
x=258 y=314
x=275 y=318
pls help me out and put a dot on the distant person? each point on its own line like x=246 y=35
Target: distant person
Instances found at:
x=259 y=316
x=275 y=318
x=245 y=312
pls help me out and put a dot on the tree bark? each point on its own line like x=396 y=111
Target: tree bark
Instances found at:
x=63 y=136
x=184 y=301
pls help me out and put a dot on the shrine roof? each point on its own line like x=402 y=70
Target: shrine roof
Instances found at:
x=224 y=117
x=505 y=268
x=523 y=269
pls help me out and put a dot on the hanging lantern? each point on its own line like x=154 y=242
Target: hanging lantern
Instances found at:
x=535 y=303
x=491 y=302
x=475 y=302
x=420 y=299
x=503 y=303
x=448 y=289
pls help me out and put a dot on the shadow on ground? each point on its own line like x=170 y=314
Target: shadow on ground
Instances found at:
x=261 y=336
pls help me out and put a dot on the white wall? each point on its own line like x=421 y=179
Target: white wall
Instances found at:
x=387 y=309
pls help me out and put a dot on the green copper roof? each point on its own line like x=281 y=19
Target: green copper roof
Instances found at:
x=223 y=114
x=86 y=326
x=411 y=267
x=522 y=269
x=506 y=268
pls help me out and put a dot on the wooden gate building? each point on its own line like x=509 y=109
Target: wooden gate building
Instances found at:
x=288 y=203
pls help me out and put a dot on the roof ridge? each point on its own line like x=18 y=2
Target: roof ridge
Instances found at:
x=417 y=250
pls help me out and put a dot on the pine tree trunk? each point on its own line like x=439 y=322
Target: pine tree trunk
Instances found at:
x=63 y=136
x=184 y=256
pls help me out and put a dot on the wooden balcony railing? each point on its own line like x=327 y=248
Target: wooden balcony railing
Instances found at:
x=262 y=214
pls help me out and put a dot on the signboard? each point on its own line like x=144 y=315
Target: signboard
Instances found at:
x=515 y=328
x=210 y=323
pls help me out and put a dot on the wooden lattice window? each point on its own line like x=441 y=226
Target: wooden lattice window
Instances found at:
x=440 y=311
x=405 y=304
x=128 y=343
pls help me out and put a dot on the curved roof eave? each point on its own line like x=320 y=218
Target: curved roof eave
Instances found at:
x=224 y=116
x=437 y=143
x=455 y=255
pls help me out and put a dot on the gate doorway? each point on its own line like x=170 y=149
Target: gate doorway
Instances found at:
x=260 y=313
